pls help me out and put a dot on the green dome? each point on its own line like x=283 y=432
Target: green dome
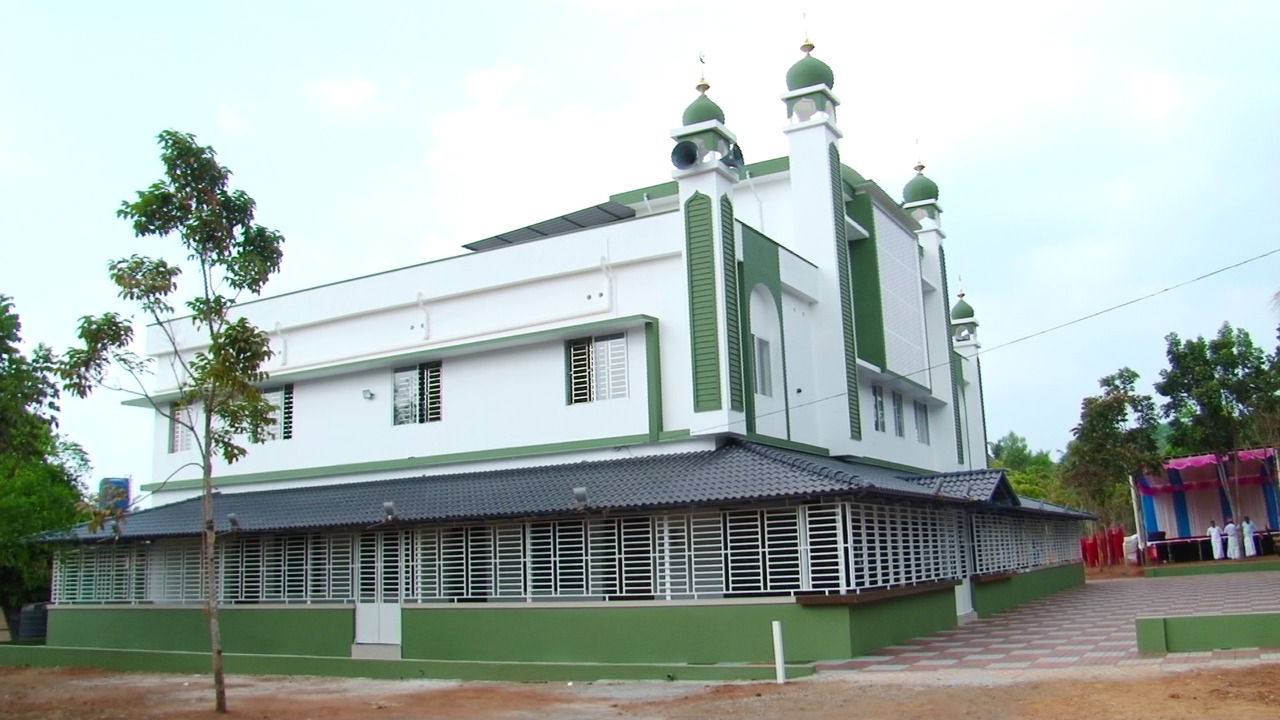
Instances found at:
x=809 y=71
x=919 y=188
x=962 y=310
x=702 y=109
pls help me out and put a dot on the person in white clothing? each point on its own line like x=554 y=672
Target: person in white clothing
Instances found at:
x=1249 y=531
x=1215 y=539
x=1232 y=531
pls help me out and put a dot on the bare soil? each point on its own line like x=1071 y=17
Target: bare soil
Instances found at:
x=1134 y=693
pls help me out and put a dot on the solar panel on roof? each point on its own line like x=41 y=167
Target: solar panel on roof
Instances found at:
x=594 y=216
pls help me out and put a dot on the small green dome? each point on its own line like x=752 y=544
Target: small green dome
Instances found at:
x=702 y=108
x=809 y=71
x=962 y=310
x=919 y=188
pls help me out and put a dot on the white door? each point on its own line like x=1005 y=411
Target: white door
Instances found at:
x=382 y=561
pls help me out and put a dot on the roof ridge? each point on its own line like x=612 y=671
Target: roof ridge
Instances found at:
x=790 y=458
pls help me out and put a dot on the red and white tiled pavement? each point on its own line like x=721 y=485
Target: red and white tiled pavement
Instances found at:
x=1090 y=625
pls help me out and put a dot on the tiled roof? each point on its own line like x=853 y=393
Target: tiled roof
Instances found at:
x=737 y=471
x=983 y=485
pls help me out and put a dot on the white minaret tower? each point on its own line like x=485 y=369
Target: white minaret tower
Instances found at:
x=973 y=435
x=821 y=236
x=920 y=200
x=706 y=159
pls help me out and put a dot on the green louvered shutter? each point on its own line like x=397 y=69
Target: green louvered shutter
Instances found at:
x=700 y=254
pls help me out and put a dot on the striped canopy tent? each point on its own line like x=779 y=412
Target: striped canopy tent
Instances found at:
x=1191 y=491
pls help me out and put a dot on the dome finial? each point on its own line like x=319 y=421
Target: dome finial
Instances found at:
x=962 y=310
x=807 y=47
x=702 y=108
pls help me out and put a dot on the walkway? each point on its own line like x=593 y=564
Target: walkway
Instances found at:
x=1085 y=626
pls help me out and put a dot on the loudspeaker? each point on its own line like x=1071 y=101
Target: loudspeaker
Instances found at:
x=684 y=154
x=734 y=158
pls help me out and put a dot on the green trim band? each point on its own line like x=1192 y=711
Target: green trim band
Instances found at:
x=788 y=444
x=417 y=462
x=889 y=465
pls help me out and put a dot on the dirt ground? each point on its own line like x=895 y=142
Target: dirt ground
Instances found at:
x=1144 y=692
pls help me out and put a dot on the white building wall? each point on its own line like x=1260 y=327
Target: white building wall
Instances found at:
x=900 y=297
x=504 y=386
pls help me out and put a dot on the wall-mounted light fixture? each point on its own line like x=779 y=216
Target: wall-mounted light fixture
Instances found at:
x=233 y=521
x=368 y=394
x=580 y=494
x=389 y=509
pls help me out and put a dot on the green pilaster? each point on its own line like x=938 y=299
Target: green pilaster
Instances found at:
x=761 y=266
x=653 y=367
x=846 y=298
x=700 y=256
x=955 y=359
x=733 y=330
x=868 y=306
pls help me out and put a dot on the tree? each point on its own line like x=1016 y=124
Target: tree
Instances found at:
x=1221 y=396
x=1032 y=473
x=39 y=473
x=1115 y=439
x=215 y=356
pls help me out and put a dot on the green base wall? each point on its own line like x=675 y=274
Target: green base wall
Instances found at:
x=997 y=596
x=624 y=640
x=671 y=633
x=1213 y=568
x=304 y=630
x=1196 y=633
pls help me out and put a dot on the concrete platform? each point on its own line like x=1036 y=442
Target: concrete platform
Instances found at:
x=1092 y=625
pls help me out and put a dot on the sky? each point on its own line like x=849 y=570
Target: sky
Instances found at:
x=1087 y=153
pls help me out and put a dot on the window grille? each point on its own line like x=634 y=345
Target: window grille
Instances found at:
x=417 y=395
x=899 y=422
x=281 y=399
x=596 y=368
x=877 y=400
x=922 y=423
x=706 y=553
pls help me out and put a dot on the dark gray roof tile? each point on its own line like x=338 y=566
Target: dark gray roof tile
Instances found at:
x=736 y=471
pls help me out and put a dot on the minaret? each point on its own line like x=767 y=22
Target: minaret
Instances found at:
x=706 y=159
x=968 y=376
x=920 y=200
x=820 y=237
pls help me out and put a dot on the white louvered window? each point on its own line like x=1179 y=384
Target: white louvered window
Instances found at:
x=877 y=401
x=763 y=367
x=596 y=368
x=281 y=399
x=922 y=423
x=181 y=420
x=416 y=394
x=899 y=416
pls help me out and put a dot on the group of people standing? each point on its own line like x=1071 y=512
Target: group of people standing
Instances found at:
x=1233 y=534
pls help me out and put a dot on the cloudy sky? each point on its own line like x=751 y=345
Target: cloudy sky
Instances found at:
x=1088 y=153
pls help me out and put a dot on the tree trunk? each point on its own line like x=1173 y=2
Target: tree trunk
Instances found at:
x=209 y=567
